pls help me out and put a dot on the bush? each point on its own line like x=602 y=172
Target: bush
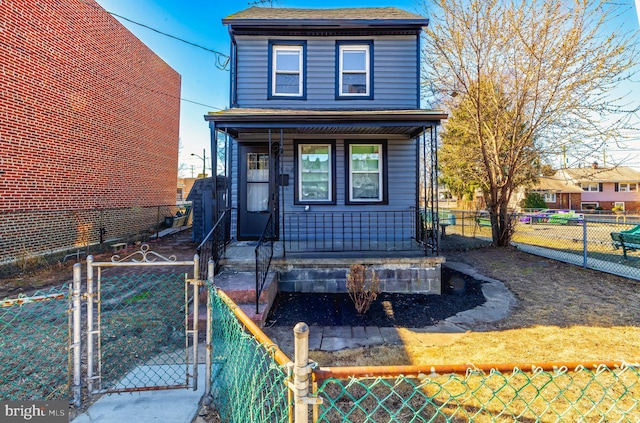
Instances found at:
x=362 y=294
x=533 y=200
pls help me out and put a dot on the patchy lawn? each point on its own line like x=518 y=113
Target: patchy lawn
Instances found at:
x=564 y=313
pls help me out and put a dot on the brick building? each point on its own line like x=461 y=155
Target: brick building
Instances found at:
x=89 y=120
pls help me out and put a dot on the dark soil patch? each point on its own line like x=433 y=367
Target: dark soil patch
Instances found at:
x=388 y=310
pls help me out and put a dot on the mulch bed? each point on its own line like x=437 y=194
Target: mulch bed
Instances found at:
x=388 y=310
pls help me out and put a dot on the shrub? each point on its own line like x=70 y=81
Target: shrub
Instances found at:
x=533 y=200
x=362 y=293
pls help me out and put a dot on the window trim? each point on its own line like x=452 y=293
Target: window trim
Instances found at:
x=383 y=172
x=367 y=46
x=589 y=185
x=297 y=169
x=271 y=63
x=549 y=197
x=627 y=186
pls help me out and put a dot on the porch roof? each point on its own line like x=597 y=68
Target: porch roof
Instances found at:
x=410 y=122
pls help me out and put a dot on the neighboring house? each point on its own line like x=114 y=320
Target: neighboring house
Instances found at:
x=90 y=119
x=604 y=188
x=325 y=131
x=558 y=193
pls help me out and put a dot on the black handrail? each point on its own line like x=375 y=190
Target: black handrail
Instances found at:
x=363 y=230
x=213 y=246
x=264 y=254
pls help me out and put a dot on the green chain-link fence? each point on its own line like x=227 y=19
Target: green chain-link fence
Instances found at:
x=34 y=355
x=142 y=328
x=247 y=385
x=603 y=394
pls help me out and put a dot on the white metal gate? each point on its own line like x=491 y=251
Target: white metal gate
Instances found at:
x=139 y=336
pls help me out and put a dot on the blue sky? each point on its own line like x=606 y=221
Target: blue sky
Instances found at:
x=199 y=22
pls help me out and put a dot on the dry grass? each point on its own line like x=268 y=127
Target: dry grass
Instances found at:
x=564 y=313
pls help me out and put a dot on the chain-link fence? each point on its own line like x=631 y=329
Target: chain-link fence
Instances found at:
x=33 y=239
x=247 y=384
x=591 y=241
x=142 y=339
x=602 y=394
x=34 y=341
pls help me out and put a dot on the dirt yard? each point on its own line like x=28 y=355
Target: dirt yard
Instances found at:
x=564 y=313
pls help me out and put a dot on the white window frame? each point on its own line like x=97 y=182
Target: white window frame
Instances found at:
x=619 y=204
x=595 y=204
x=367 y=71
x=549 y=197
x=628 y=187
x=274 y=71
x=330 y=173
x=380 y=171
x=588 y=186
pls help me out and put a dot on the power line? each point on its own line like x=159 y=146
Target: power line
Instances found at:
x=222 y=60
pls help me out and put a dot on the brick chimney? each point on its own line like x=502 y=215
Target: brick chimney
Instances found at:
x=594 y=165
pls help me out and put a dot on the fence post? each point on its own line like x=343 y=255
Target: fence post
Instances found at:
x=584 y=242
x=77 y=335
x=90 y=331
x=208 y=346
x=463 y=222
x=301 y=372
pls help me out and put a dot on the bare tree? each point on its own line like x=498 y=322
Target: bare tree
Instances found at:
x=523 y=80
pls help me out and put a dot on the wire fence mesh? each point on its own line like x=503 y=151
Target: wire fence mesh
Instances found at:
x=142 y=339
x=247 y=384
x=589 y=241
x=602 y=394
x=34 y=340
x=60 y=235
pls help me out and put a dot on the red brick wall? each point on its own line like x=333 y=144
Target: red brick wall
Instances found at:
x=88 y=114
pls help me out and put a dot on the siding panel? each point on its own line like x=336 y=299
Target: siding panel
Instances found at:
x=395 y=74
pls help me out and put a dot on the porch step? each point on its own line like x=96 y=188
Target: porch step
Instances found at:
x=240 y=287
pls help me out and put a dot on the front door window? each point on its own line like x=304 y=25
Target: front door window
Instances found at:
x=257 y=182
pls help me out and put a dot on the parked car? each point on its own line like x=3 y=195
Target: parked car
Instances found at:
x=553 y=216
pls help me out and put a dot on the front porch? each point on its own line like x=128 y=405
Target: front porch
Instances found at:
x=400 y=271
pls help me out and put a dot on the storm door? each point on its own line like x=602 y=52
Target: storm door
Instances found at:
x=257 y=195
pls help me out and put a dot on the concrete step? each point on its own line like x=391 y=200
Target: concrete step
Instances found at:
x=241 y=286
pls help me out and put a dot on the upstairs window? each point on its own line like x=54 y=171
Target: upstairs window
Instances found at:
x=627 y=186
x=354 y=70
x=590 y=186
x=287 y=65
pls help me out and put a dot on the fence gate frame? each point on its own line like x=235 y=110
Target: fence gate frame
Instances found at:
x=141 y=259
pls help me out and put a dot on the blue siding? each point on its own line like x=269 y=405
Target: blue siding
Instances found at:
x=401 y=178
x=395 y=73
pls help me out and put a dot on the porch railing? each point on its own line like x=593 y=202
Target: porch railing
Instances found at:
x=264 y=254
x=214 y=245
x=395 y=230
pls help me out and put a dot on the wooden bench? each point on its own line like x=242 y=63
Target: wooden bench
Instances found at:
x=119 y=246
x=626 y=241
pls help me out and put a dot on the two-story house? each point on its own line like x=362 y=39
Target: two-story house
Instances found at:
x=325 y=135
x=605 y=187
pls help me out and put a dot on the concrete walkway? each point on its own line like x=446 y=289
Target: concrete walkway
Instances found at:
x=164 y=406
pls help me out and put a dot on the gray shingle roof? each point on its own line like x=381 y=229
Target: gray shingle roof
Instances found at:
x=363 y=13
